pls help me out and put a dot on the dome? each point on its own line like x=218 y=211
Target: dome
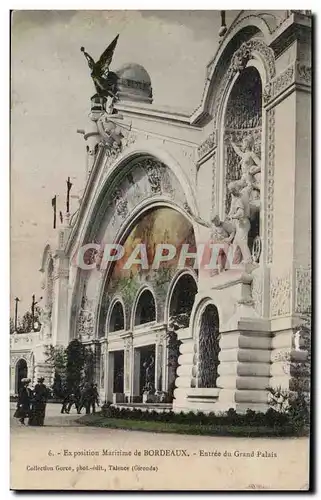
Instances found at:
x=134 y=83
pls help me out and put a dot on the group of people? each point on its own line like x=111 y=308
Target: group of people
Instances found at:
x=32 y=402
x=85 y=396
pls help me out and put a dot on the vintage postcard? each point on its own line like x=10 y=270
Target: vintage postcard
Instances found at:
x=161 y=250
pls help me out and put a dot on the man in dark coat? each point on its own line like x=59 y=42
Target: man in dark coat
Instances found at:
x=39 y=401
x=24 y=399
x=85 y=398
x=94 y=398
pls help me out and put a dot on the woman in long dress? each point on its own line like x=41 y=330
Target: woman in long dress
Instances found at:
x=39 y=401
x=24 y=399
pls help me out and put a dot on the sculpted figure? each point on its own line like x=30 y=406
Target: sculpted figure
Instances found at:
x=104 y=80
x=149 y=369
x=240 y=215
x=250 y=162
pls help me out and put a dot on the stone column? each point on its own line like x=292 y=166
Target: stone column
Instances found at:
x=60 y=324
x=103 y=374
x=110 y=375
x=136 y=374
x=159 y=359
x=128 y=367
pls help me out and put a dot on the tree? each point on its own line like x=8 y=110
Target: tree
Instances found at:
x=89 y=361
x=12 y=328
x=57 y=358
x=26 y=323
x=75 y=353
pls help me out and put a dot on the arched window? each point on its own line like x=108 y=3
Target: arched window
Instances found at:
x=208 y=347
x=116 y=322
x=182 y=300
x=145 y=310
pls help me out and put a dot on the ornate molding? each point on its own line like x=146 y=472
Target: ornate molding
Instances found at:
x=153 y=172
x=60 y=273
x=128 y=343
x=280 y=296
x=270 y=184
x=239 y=61
x=207 y=146
x=302 y=290
x=161 y=336
x=112 y=154
x=120 y=203
x=295 y=73
x=214 y=181
x=279 y=84
x=303 y=73
x=85 y=323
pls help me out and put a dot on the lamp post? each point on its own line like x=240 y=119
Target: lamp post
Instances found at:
x=16 y=313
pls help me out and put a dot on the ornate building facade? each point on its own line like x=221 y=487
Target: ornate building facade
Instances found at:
x=205 y=339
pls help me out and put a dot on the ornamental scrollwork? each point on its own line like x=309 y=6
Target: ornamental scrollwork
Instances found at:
x=85 y=324
x=303 y=73
x=154 y=177
x=206 y=146
x=302 y=290
x=295 y=73
x=279 y=84
x=270 y=183
x=121 y=203
x=280 y=296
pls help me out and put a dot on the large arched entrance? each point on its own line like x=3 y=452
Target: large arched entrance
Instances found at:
x=21 y=372
x=208 y=347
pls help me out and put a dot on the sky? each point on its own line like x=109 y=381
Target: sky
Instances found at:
x=50 y=97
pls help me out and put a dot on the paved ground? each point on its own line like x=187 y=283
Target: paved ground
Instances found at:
x=65 y=455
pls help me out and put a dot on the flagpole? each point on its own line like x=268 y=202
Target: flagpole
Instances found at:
x=54 y=206
x=69 y=185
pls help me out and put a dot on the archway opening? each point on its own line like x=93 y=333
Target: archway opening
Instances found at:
x=145 y=310
x=242 y=144
x=21 y=372
x=208 y=348
x=117 y=318
x=180 y=309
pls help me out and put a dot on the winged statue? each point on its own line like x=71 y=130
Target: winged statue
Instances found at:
x=105 y=81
